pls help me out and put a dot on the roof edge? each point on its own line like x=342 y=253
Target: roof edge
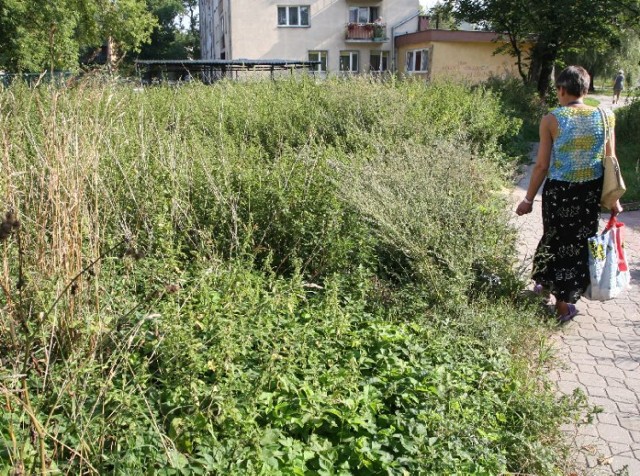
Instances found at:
x=461 y=36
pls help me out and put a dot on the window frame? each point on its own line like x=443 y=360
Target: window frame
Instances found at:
x=352 y=54
x=411 y=64
x=382 y=54
x=358 y=10
x=287 y=9
x=324 y=64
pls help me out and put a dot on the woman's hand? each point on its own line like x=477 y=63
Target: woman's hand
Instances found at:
x=524 y=208
x=616 y=209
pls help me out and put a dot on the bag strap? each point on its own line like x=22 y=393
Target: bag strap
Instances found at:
x=611 y=223
x=616 y=228
x=622 y=261
x=605 y=124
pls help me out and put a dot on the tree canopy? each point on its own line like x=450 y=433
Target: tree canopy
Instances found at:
x=552 y=27
x=37 y=35
x=172 y=38
x=625 y=55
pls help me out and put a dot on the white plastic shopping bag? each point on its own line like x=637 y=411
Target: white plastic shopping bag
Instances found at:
x=607 y=263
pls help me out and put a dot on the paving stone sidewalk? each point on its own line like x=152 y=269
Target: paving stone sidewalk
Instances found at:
x=600 y=353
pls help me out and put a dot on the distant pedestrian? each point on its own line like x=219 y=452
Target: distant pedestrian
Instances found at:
x=618 y=86
x=572 y=140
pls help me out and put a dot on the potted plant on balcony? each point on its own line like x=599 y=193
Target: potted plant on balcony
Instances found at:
x=378 y=29
x=359 y=31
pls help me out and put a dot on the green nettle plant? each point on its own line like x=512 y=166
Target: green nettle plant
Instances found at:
x=266 y=277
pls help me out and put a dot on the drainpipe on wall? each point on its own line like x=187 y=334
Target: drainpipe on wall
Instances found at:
x=393 y=38
x=229 y=45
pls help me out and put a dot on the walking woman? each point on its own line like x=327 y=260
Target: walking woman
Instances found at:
x=570 y=158
x=618 y=86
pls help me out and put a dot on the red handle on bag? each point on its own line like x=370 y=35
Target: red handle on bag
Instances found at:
x=613 y=221
x=616 y=228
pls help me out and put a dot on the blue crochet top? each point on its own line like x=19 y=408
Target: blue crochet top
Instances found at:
x=577 y=152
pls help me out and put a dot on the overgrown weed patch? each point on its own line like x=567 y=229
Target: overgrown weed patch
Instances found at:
x=282 y=277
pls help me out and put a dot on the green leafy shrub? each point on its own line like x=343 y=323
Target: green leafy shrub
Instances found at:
x=628 y=149
x=520 y=101
x=265 y=277
x=628 y=122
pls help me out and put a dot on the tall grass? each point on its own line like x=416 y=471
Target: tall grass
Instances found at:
x=266 y=277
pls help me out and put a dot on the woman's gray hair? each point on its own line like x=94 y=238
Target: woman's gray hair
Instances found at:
x=575 y=79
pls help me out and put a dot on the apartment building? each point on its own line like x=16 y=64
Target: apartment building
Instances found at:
x=346 y=36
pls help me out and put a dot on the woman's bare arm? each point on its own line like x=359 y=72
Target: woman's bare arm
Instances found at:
x=541 y=166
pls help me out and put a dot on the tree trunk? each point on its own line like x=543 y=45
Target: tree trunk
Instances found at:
x=52 y=51
x=546 y=76
x=534 y=71
x=110 y=54
x=518 y=53
x=543 y=60
x=593 y=72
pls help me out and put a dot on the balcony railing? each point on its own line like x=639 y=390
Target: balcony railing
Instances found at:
x=375 y=32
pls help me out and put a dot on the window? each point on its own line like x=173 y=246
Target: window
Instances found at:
x=222 y=32
x=293 y=16
x=418 y=60
x=363 y=14
x=379 y=61
x=349 y=61
x=318 y=56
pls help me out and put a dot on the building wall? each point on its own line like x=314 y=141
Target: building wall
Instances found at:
x=474 y=61
x=255 y=34
x=214 y=18
x=206 y=16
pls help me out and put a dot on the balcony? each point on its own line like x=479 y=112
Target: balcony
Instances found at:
x=366 y=32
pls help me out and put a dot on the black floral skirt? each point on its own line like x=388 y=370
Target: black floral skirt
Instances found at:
x=570 y=213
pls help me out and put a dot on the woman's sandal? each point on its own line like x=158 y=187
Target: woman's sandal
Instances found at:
x=573 y=312
x=539 y=290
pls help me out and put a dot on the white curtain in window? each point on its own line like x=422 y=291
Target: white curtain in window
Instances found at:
x=304 y=16
x=282 y=15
